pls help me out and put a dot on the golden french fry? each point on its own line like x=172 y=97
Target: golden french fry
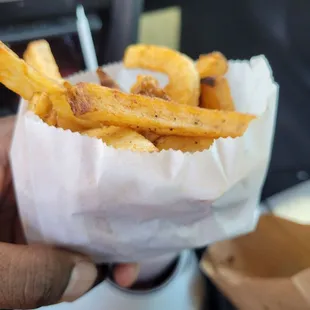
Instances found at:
x=148 y=86
x=122 y=138
x=184 y=144
x=21 y=78
x=95 y=103
x=106 y=80
x=215 y=94
x=184 y=84
x=39 y=56
x=57 y=111
x=52 y=119
x=213 y=64
x=41 y=105
x=66 y=119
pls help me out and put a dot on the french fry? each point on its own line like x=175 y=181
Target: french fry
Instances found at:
x=40 y=104
x=148 y=86
x=21 y=78
x=106 y=80
x=122 y=138
x=39 y=56
x=213 y=64
x=184 y=84
x=184 y=144
x=95 y=103
x=66 y=119
x=215 y=94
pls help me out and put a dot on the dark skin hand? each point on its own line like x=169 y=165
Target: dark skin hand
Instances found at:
x=37 y=275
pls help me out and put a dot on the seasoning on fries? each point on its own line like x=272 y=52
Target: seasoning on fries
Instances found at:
x=112 y=107
x=149 y=86
x=148 y=119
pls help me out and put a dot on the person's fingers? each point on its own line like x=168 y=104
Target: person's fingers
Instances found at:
x=35 y=276
x=126 y=274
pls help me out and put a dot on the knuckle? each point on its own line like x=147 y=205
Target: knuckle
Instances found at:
x=43 y=279
x=32 y=276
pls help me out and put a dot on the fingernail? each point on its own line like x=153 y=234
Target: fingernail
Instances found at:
x=82 y=278
x=125 y=275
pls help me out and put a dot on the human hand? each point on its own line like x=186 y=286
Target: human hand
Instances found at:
x=36 y=275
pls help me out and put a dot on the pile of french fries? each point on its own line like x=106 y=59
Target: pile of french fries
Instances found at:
x=193 y=110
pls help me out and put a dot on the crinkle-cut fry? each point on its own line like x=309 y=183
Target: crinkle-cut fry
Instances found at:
x=215 y=94
x=213 y=64
x=122 y=138
x=21 y=78
x=106 y=80
x=111 y=107
x=184 y=144
x=184 y=83
x=39 y=56
x=148 y=86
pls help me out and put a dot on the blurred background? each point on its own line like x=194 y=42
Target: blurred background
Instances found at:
x=280 y=29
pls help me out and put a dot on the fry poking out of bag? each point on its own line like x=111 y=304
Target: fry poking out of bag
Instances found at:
x=148 y=86
x=111 y=107
x=213 y=64
x=215 y=94
x=167 y=117
x=183 y=86
x=106 y=80
x=40 y=57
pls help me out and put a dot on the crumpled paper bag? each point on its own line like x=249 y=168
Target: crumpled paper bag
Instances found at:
x=117 y=205
x=266 y=269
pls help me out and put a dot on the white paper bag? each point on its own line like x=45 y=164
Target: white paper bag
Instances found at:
x=118 y=205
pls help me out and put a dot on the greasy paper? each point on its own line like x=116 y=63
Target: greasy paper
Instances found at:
x=118 y=205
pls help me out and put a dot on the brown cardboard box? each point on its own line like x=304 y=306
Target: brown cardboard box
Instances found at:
x=268 y=269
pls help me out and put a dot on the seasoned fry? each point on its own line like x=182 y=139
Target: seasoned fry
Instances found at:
x=184 y=144
x=52 y=119
x=106 y=80
x=183 y=86
x=213 y=64
x=22 y=79
x=148 y=86
x=147 y=120
x=111 y=107
x=39 y=56
x=215 y=94
x=40 y=104
x=66 y=119
x=122 y=138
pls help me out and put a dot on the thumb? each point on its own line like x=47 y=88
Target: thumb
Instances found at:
x=35 y=276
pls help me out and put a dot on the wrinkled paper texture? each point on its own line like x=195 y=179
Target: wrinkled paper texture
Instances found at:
x=117 y=205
